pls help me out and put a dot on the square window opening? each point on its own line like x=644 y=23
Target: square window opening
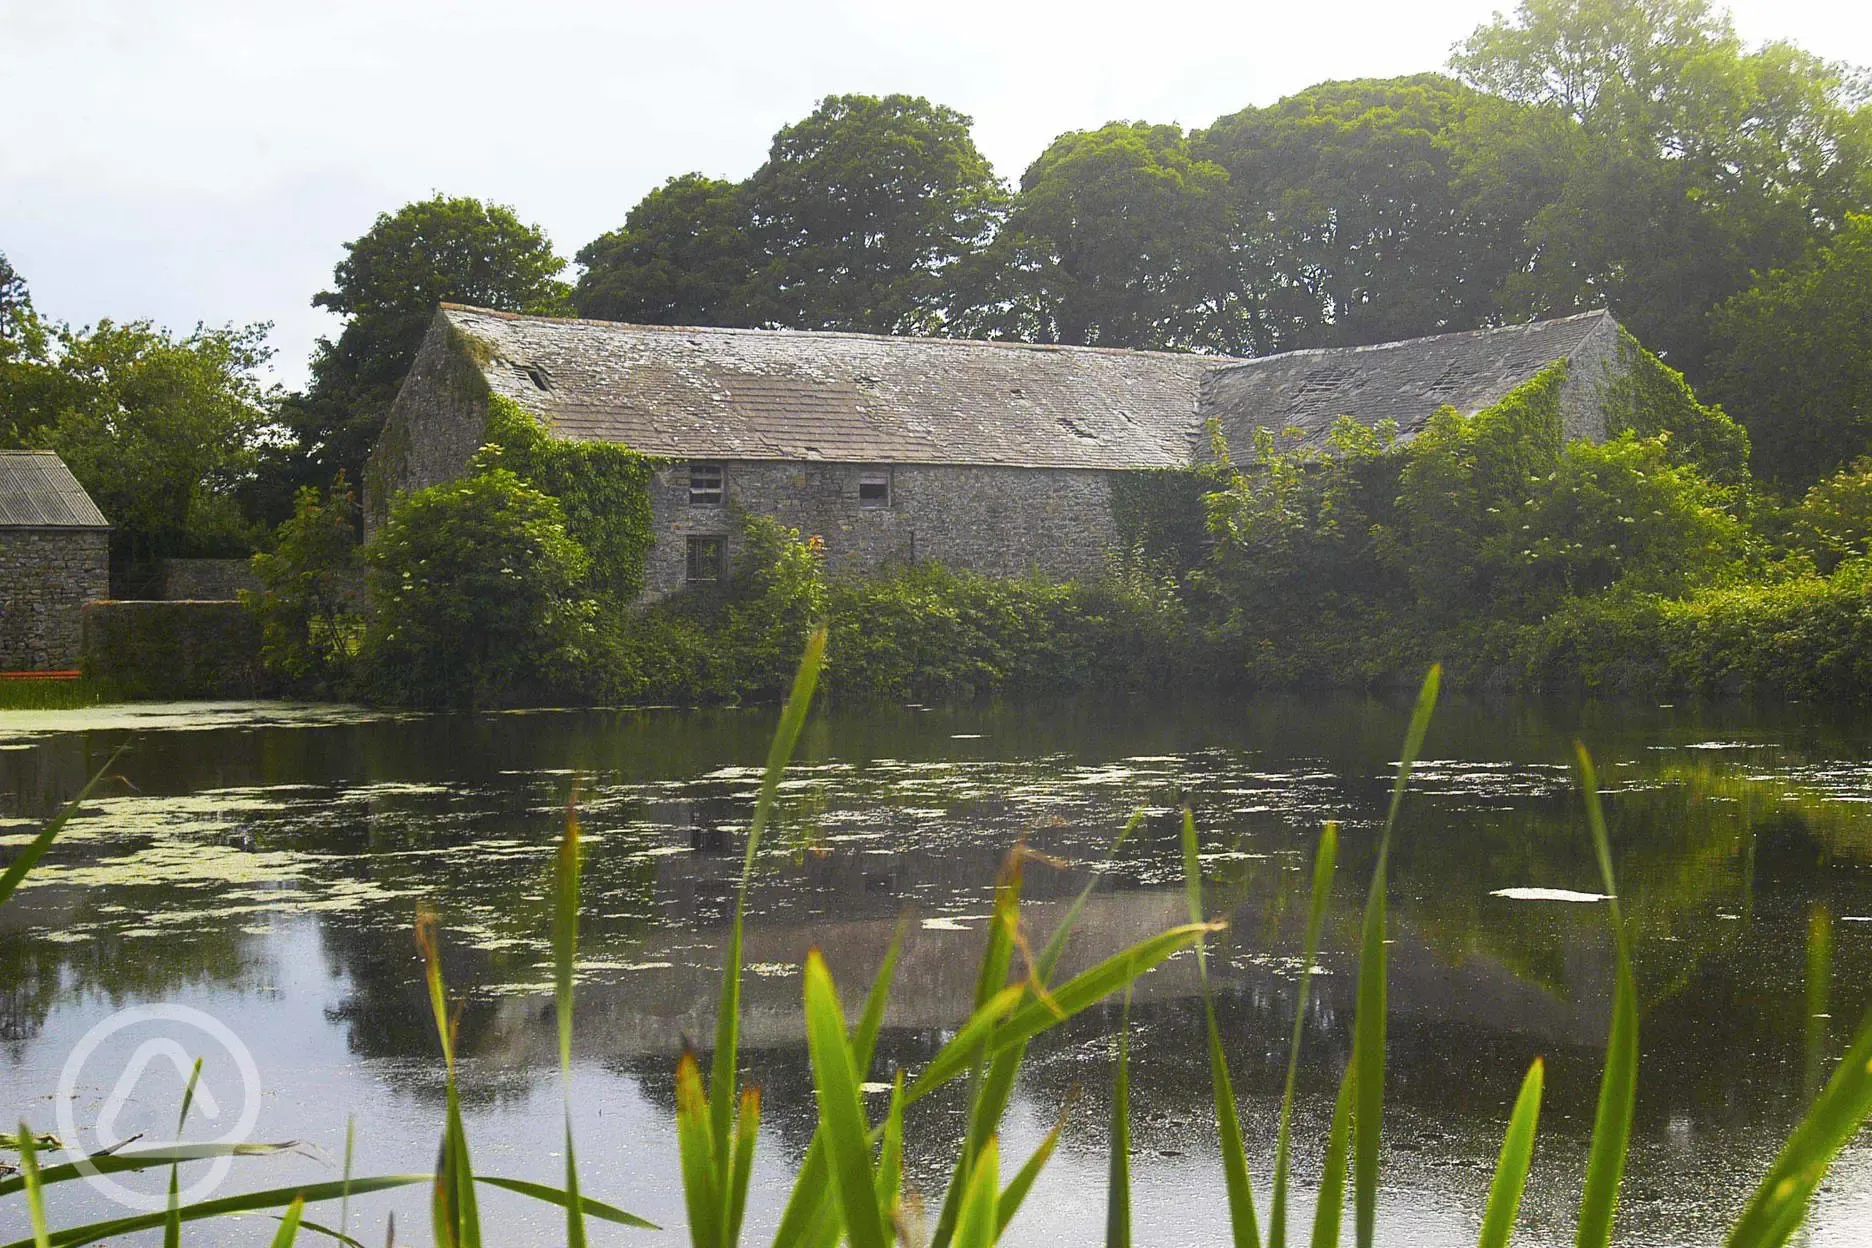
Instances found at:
x=874 y=489
x=704 y=559
x=706 y=482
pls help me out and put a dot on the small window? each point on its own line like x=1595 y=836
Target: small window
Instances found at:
x=874 y=489
x=705 y=485
x=705 y=559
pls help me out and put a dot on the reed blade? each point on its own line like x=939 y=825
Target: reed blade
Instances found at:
x=289 y=1224
x=723 y=1063
x=1369 y=1026
x=1022 y=1183
x=172 y=1229
x=555 y=1196
x=890 y=1155
x=35 y=849
x=567 y=867
x=35 y=1190
x=1511 y=1168
x=1330 y=1208
x=1118 y=1170
x=245 y=1202
x=115 y=1163
x=1242 y=1229
x=979 y=1221
x=1325 y=860
x=1618 y=1088
x=696 y=1152
x=741 y=1163
x=1777 y=1207
x=841 y=1108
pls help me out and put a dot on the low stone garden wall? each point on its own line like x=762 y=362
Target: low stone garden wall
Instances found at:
x=186 y=580
x=174 y=649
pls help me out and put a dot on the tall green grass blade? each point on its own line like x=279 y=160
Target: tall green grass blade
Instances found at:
x=1819 y=993
x=36 y=848
x=979 y=1221
x=1618 y=1088
x=554 y=1196
x=318 y=1228
x=35 y=1191
x=1030 y=1017
x=1368 y=1041
x=148 y=1159
x=696 y=1150
x=723 y=1064
x=245 y=1202
x=741 y=1163
x=1015 y=1193
x=1330 y=1208
x=841 y=1109
x=344 y=1201
x=890 y=1155
x=567 y=865
x=289 y=1224
x=1118 y=1171
x=1243 y=1231
x=995 y=1087
x=1779 y=1205
x=1511 y=1168
x=455 y=1215
x=808 y=1200
x=1325 y=860
x=172 y=1229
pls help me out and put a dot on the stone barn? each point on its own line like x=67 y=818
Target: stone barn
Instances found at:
x=997 y=457
x=54 y=558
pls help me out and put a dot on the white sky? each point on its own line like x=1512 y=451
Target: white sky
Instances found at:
x=205 y=160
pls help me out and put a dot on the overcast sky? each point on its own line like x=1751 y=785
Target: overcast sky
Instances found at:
x=205 y=160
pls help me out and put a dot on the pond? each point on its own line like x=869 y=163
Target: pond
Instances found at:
x=262 y=864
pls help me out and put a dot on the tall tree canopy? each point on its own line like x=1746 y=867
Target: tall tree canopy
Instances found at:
x=1350 y=221
x=1697 y=161
x=862 y=211
x=683 y=257
x=1116 y=239
x=161 y=430
x=387 y=287
x=1795 y=360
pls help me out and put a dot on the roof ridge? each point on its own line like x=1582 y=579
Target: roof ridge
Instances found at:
x=1204 y=358
x=1482 y=332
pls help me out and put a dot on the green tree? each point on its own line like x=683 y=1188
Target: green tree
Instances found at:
x=474 y=591
x=1349 y=225
x=15 y=303
x=1697 y=161
x=310 y=602
x=1117 y=238
x=438 y=250
x=862 y=211
x=160 y=430
x=1794 y=360
x=683 y=257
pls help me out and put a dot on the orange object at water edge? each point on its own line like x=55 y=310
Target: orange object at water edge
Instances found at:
x=60 y=675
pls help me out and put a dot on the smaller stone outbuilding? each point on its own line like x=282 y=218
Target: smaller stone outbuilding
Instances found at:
x=54 y=558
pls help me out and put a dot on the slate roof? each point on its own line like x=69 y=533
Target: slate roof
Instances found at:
x=785 y=394
x=37 y=491
x=860 y=398
x=1402 y=381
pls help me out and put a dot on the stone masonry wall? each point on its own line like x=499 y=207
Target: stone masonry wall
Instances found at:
x=46 y=577
x=1002 y=521
x=1590 y=369
x=436 y=424
x=207 y=580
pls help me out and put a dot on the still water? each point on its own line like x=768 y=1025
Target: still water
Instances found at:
x=262 y=865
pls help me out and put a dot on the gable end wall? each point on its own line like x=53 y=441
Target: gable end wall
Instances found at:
x=46 y=577
x=436 y=424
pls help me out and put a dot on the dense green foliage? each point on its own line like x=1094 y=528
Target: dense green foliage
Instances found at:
x=162 y=431
x=603 y=487
x=437 y=250
x=1795 y=359
x=475 y=593
x=309 y=604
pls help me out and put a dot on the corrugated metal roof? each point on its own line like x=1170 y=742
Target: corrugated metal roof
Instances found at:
x=860 y=398
x=37 y=491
